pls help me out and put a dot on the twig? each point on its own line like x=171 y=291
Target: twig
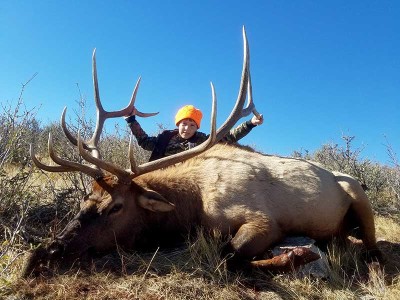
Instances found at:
x=145 y=273
x=11 y=262
x=148 y=267
x=23 y=87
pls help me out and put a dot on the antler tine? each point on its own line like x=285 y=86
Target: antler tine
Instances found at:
x=123 y=176
x=128 y=110
x=237 y=111
x=93 y=172
x=91 y=145
x=46 y=167
x=179 y=157
x=250 y=107
x=67 y=133
x=132 y=159
x=250 y=104
x=63 y=165
x=94 y=140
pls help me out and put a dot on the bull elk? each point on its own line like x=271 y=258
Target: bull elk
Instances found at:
x=259 y=199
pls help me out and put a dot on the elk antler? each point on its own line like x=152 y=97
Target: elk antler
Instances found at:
x=102 y=114
x=92 y=143
x=245 y=86
x=88 y=150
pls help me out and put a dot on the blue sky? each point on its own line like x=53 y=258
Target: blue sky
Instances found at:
x=319 y=69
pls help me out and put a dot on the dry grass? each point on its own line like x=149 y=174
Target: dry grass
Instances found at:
x=197 y=271
x=194 y=271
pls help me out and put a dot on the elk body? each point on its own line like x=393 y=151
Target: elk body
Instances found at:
x=258 y=199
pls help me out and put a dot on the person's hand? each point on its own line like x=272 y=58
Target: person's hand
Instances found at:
x=133 y=113
x=257 y=120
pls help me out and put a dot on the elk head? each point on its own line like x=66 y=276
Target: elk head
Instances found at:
x=112 y=214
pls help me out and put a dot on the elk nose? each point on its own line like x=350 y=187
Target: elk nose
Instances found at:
x=56 y=249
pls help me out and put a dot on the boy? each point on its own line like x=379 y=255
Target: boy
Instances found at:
x=186 y=136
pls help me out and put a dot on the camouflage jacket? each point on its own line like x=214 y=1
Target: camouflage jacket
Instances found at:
x=170 y=142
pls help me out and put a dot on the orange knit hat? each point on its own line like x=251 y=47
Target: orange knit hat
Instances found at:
x=189 y=112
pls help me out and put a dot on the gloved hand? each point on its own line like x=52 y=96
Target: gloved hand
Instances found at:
x=131 y=117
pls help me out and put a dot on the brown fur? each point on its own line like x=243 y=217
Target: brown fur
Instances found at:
x=259 y=199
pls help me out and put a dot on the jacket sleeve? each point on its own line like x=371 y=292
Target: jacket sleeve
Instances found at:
x=144 y=141
x=239 y=132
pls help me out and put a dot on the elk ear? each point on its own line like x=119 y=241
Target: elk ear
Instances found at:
x=153 y=201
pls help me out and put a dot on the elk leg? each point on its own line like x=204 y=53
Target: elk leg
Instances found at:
x=287 y=261
x=253 y=239
x=360 y=207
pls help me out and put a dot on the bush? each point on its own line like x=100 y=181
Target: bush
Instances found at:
x=18 y=128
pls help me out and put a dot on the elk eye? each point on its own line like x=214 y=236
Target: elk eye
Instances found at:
x=117 y=207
